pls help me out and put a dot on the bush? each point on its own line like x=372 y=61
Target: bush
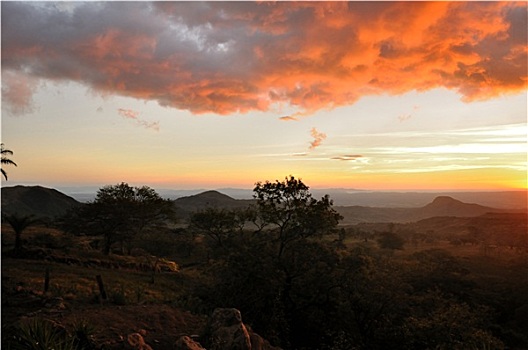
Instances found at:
x=118 y=296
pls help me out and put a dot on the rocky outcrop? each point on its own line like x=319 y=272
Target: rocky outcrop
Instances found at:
x=226 y=331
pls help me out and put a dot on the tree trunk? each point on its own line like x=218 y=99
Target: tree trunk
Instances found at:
x=107 y=244
x=102 y=291
x=46 y=280
x=18 y=240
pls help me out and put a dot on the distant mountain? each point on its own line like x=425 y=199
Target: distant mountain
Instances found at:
x=214 y=199
x=46 y=202
x=448 y=206
x=513 y=199
x=39 y=201
x=405 y=199
x=441 y=206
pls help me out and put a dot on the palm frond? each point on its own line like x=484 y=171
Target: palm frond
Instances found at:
x=8 y=161
x=5 y=151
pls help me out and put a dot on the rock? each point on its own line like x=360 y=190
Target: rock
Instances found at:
x=136 y=342
x=55 y=303
x=259 y=343
x=187 y=343
x=227 y=332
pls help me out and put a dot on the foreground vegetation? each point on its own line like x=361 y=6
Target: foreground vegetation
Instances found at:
x=300 y=280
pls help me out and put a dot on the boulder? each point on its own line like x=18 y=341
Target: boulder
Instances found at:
x=227 y=331
x=136 y=342
x=259 y=343
x=187 y=343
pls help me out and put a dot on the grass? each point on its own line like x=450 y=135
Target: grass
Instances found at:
x=75 y=282
x=78 y=283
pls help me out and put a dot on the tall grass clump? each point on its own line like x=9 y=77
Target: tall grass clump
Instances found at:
x=37 y=334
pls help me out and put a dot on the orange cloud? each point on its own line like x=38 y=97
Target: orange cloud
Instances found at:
x=17 y=91
x=289 y=118
x=229 y=57
x=319 y=137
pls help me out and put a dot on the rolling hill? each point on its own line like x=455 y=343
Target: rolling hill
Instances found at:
x=187 y=205
x=441 y=206
x=39 y=201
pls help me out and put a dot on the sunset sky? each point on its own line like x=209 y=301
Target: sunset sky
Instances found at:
x=183 y=95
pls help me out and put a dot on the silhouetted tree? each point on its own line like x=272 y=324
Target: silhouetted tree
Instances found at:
x=218 y=224
x=281 y=277
x=390 y=240
x=19 y=224
x=5 y=159
x=289 y=207
x=119 y=213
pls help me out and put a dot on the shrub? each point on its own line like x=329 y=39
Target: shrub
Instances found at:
x=118 y=296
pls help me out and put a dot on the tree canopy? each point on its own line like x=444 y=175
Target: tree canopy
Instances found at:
x=119 y=213
x=289 y=207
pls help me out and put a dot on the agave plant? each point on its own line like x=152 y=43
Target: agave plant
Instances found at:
x=39 y=334
x=83 y=332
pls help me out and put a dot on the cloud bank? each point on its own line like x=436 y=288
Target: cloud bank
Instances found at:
x=236 y=57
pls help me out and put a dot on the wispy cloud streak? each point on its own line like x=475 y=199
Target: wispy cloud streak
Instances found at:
x=134 y=115
x=348 y=157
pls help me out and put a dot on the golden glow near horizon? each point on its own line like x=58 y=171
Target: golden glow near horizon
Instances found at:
x=367 y=95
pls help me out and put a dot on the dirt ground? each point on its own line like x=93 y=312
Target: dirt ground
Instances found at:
x=161 y=325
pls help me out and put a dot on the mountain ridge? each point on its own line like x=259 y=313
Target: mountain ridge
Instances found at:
x=441 y=206
x=46 y=202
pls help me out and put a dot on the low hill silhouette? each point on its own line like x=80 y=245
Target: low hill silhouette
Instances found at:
x=441 y=206
x=448 y=206
x=209 y=199
x=49 y=203
x=38 y=201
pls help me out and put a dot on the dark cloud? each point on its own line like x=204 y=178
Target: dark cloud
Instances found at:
x=348 y=157
x=228 y=57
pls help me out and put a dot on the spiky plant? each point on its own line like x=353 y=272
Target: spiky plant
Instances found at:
x=39 y=334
